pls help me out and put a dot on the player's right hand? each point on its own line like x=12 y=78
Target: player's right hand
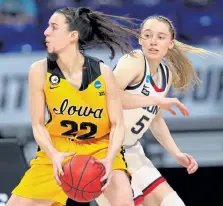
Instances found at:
x=167 y=103
x=57 y=159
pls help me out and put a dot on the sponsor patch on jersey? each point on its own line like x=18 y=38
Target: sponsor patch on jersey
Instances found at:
x=97 y=84
x=54 y=79
x=102 y=93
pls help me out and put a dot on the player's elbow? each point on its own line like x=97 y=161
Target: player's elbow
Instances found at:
x=37 y=125
x=118 y=125
x=37 y=122
x=157 y=125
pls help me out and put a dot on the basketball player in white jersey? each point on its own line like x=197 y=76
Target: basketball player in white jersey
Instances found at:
x=150 y=73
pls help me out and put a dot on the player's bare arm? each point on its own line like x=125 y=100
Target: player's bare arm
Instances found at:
x=115 y=112
x=131 y=67
x=37 y=76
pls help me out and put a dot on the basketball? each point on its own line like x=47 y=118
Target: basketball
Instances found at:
x=81 y=179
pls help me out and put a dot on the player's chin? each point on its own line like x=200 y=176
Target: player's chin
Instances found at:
x=50 y=50
x=154 y=56
x=50 y=47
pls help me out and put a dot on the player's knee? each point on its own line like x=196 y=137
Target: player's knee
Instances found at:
x=172 y=199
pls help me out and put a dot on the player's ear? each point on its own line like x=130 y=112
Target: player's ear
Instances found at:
x=171 y=45
x=74 y=36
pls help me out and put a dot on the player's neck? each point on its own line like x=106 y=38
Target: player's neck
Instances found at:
x=70 y=61
x=153 y=65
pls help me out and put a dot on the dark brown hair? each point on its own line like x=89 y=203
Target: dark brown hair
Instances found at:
x=96 y=28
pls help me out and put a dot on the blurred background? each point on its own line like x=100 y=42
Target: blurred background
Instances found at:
x=198 y=22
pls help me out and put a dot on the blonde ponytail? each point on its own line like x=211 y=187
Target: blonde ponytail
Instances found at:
x=184 y=74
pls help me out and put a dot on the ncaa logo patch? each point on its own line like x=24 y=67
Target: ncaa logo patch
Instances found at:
x=147 y=78
x=97 y=84
x=54 y=79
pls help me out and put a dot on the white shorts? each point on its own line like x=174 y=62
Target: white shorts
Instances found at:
x=145 y=177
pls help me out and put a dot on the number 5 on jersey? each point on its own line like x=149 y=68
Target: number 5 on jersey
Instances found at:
x=140 y=125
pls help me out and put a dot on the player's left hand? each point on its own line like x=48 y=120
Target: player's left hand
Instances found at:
x=108 y=169
x=187 y=161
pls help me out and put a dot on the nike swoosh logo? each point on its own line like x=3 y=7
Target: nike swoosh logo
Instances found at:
x=53 y=87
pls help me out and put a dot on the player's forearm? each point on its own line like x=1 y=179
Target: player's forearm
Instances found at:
x=162 y=134
x=43 y=139
x=116 y=140
x=133 y=101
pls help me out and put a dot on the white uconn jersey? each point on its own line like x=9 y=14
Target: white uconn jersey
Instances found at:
x=137 y=121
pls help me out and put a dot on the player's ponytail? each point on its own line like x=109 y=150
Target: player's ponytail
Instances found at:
x=96 y=28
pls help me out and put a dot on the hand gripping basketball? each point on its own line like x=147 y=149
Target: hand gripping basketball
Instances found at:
x=57 y=160
x=82 y=178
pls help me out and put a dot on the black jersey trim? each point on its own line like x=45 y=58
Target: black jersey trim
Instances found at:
x=140 y=83
x=91 y=70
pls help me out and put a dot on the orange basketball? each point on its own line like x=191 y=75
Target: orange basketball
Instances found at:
x=81 y=179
